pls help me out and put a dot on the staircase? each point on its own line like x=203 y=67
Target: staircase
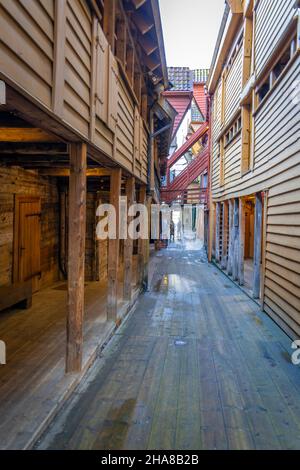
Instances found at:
x=178 y=190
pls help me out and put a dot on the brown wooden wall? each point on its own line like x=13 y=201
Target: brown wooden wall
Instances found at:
x=16 y=181
x=72 y=72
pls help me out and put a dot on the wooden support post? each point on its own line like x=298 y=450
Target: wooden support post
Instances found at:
x=128 y=243
x=235 y=238
x=113 y=248
x=241 y=241
x=76 y=254
x=257 y=245
x=224 y=236
x=217 y=248
x=141 y=242
x=231 y=238
x=264 y=249
x=147 y=243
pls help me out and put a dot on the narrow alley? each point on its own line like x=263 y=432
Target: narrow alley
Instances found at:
x=197 y=365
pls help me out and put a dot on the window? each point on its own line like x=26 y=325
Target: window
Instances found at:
x=263 y=90
x=277 y=70
x=281 y=64
x=233 y=131
x=203 y=181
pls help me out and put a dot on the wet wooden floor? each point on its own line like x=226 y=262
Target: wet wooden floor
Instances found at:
x=196 y=366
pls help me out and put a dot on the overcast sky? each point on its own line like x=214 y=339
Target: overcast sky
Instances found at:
x=190 y=31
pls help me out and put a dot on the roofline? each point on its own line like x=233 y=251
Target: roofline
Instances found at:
x=177 y=92
x=227 y=33
x=218 y=43
x=160 y=39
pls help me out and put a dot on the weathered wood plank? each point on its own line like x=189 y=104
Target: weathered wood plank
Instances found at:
x=76 y=254
x=113 y=247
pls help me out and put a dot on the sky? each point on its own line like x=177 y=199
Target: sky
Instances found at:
x=190 y=29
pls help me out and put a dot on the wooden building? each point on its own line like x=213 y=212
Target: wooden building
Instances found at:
x=255 y=154
x=82 y=121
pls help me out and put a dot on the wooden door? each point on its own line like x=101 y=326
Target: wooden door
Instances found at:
x=27 y=258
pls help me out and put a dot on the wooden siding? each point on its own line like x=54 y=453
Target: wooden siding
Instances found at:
x=276 y=147
x=81 y=84
x=216 y=128
x=232 y=161
x=27 y=45
x=276 y=168
x=271 y=20
x=233 y=87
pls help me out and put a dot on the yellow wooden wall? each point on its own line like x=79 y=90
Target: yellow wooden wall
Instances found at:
x=276 y=163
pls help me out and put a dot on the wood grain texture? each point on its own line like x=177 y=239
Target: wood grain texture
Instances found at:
x=197 y=366
x=76 y=256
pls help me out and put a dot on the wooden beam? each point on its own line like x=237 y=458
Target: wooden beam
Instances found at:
x=151 y=63
x=26 y=134
x=142 y=22
x=247 y=50
x=138 y=3
x=236 y=6
x=76 y=256
x=148 y=45
x=246 y=137
x=257 y=245
x=35 y=148
x=2 y=92
x=121 y=41
x=66 y=172
x=109 y=21
x=59 y=57
x=113 y=248
x=128 y=243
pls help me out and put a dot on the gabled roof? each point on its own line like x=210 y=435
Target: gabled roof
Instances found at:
x=180 y=101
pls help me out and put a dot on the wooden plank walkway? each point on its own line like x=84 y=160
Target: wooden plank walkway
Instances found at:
x=196 y=366
x=33 y=383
